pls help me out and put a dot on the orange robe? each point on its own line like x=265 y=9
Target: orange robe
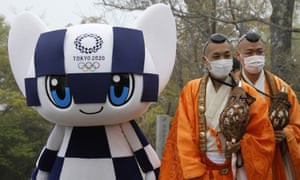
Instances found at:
x=182 y=157
x=292 y=132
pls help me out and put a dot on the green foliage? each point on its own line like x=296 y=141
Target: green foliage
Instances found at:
x=167 y=103
x=148 y=123
x=4 y=28
x=22 y=131
x=20 y=144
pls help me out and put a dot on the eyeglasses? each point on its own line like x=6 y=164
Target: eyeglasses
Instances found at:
x=215 y=38
x=251 y=36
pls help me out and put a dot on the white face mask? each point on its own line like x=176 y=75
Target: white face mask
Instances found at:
x=254 y=64
x=220 y=68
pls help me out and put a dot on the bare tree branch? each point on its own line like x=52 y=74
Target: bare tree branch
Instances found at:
x=141 y=5
x=184 y=15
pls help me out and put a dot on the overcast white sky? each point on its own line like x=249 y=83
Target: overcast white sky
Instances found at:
x=59 y=13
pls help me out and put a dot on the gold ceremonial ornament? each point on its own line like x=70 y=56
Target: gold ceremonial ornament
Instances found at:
x=279 y=110
x=235 y=116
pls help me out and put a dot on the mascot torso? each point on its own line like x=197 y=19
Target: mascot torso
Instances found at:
x=92 y=81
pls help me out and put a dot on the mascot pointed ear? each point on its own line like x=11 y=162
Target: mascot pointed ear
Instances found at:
x=23 y=36
x=159 y=28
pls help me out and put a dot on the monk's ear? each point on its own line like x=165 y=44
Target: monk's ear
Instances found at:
x=238 y=56
x=205 y=61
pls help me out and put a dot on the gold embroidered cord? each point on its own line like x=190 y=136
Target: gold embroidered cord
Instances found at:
x=201 y=116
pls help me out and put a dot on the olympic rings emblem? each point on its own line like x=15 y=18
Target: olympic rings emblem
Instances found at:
x=88 y=50
x=88 y=66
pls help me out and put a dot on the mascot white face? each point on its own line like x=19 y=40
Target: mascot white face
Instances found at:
x=92 y=81
x=93 y=74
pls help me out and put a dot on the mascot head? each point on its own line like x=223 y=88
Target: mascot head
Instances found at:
x=93 y=74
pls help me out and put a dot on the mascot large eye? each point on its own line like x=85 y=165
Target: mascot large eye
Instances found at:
x=121 y=89
x=58 y=91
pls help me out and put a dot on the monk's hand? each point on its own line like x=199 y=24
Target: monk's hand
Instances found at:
x=233 y=147
x=279 y=136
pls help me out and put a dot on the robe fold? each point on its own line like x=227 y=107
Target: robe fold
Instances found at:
x=292 y=133
x=182 y=156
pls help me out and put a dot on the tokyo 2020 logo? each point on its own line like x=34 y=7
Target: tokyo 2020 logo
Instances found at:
x=88 y=66
x=84 y=39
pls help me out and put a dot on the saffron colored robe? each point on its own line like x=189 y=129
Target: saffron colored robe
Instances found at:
x=182 y=157
x=292 y=133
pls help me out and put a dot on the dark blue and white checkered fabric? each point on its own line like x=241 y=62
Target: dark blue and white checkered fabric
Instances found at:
x=119 y=152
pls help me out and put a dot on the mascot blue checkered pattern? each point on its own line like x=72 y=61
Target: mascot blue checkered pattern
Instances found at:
x=92 y=81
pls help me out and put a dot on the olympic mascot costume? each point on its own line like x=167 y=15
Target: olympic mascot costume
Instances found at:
x=92 y=81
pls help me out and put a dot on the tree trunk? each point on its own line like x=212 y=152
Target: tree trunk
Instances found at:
x=281 y=38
